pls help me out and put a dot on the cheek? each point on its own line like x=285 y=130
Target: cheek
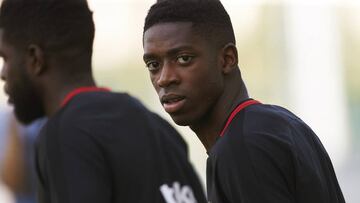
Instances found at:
x=153 y=79
x=201 y=77
x=13 y=75
x=11 y=78
x=13 y=68
x=209 y=85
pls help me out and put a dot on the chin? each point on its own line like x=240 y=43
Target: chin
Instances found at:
x=26 y=114
x=26 y=119
x=181 y=123
x=181 y=120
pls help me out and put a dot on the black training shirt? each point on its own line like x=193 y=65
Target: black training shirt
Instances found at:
x=104 y=147
x=268 y=155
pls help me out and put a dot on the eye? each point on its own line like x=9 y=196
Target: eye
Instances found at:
x=152 y=65
x=184 y=59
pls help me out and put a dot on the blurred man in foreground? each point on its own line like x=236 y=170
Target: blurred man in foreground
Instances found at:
x=97 y=146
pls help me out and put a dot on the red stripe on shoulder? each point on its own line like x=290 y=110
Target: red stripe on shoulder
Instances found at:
x=79 y=90
x=240 y=107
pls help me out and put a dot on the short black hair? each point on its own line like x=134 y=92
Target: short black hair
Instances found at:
x=57 y=26
x=209 y=18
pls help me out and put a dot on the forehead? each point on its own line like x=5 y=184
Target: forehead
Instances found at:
x=171 y=35
x=8 y=47
x=1 y=36
x=4 y=46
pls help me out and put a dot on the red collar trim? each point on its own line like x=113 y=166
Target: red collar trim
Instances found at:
x=240 y=107
x=79 y=90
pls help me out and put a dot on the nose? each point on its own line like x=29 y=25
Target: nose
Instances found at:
x=168 y=75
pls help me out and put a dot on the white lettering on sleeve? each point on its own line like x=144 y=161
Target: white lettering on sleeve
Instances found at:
x=177 y=193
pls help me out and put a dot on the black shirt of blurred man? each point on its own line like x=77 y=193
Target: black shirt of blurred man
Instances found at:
x=98 y=146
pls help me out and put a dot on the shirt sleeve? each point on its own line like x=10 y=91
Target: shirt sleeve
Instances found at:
x=77 y=170
x=256 y=169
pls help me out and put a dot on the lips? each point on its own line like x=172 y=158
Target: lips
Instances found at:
x=172 y=102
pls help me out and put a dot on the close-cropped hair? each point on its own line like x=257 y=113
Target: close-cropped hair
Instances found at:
x=57 y=26
x=208 y=17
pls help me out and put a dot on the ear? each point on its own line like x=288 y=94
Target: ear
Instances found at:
x=35 y=60
x=229 y=58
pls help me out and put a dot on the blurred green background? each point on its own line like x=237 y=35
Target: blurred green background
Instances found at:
x=298 y=54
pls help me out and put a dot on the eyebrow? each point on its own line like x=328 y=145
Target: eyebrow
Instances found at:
x=148 y=56
x=170 y=52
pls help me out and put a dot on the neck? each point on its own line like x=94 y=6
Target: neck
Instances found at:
x=57 y=91
x=208 y=130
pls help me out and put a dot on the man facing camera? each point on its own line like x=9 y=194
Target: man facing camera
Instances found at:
x=258 y=153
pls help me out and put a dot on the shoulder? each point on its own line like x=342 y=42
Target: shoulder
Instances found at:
x=97 y=107
x=103 y=101
x=269 y=117
x=266 y=130
x=269 y=121
x=275 y=123
x=262 y=126
x=111 y=118
x=168 y=133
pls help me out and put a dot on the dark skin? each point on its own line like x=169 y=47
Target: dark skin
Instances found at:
x=56 y=88
x=198 y=84
x=45 y=73
x=55 y=85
